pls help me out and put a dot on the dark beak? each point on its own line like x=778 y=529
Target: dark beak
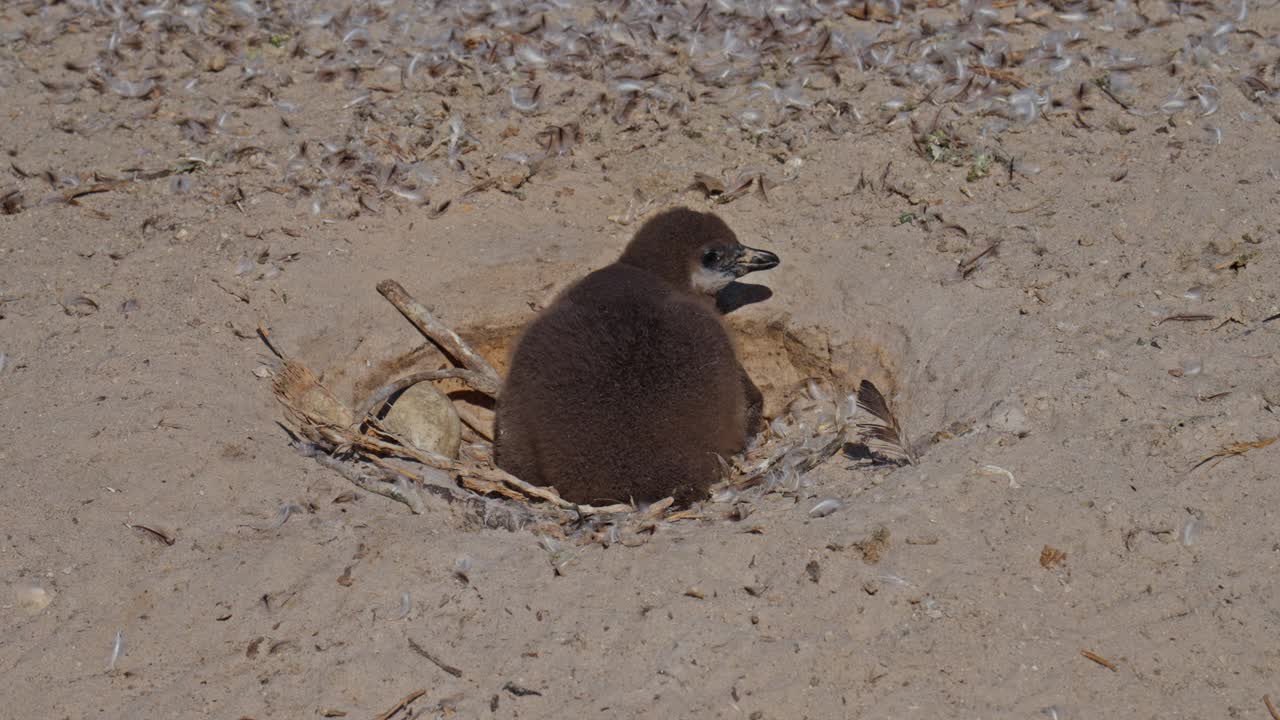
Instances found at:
x=750 y=260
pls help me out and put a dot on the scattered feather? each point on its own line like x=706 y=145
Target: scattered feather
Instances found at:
x=282 y=516
x=883 y=434
x=462 y=570
x=406 y=605
x=825 y=507
x=117 y=651
x=1000 y=472
x=1190 y=531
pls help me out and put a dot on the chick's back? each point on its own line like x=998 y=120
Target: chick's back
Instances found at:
x=622 y=390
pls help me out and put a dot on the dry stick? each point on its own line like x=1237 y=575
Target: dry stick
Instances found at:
x=401 y=705
x=498 y=475
x=487 y=381
x=434 y=660
x=516 y=516
x=369 y=444
x=1100 y=660
x=1271 y=708
x=968 y=266
x=165 y=537
x=480 y=375
x=481 y=428
x=470 y=377
x=81 y=191
x=265 y=334
x=443 y=337
x=1182 y=317
x=1112 y=97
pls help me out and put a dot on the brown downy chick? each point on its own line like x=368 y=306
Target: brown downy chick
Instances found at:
x=628 y=386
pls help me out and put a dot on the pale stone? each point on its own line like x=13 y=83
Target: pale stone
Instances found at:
x=426 y=419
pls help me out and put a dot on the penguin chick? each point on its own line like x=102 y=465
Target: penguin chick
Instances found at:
x=627 y=387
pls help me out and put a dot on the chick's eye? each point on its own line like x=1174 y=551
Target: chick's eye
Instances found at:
x=710 y=258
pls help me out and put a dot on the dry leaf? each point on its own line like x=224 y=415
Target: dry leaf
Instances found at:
x=1051 y=556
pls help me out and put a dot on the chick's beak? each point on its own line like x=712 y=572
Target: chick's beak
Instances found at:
x=750 y=260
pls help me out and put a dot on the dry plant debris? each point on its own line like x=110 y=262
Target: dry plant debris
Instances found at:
x=355 y=444
x=1271 y=707
x=1238 y=448
x=1051 y=556
x=781 y=72
x=1100 y=660
x=874 y=546
x=434 y=660
x=165 y=536
x=404 y=703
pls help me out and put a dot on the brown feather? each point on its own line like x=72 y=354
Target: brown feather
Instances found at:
x=883 y=437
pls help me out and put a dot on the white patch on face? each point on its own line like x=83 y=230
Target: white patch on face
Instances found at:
x=708 y=281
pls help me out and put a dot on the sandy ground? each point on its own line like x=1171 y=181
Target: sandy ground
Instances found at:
x=1066 y=386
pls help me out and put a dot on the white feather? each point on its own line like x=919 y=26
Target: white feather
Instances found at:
x=708 y=281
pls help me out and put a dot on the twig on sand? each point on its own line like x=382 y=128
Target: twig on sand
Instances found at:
x=1100 y=660
x=70 y=195
x=1271 y=707
x=401 y=705
x=446 y=339
x=264 y=333
x=434 y=660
